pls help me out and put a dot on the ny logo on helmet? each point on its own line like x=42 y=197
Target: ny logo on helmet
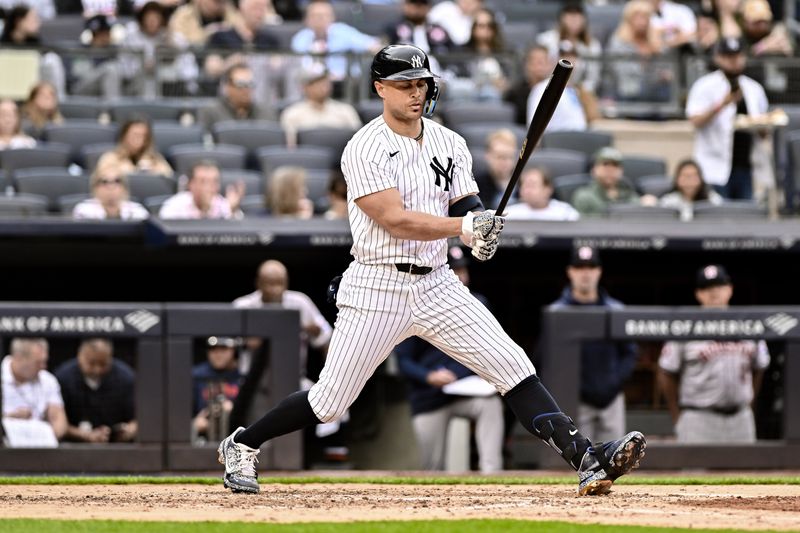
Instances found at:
x=416 y=61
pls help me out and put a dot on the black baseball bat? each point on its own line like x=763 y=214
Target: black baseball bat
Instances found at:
x=541 y=117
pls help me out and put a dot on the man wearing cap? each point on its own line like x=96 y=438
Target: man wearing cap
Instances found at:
x=761 y=34
x=730 y=159
x=236 y=101
x=99 y=74
x=710 y=385
x=216 y=383
x=427 y=370
x=607 y=186
x=416 y=29
x=605 y=365
x=249 y=31
x=317 y=109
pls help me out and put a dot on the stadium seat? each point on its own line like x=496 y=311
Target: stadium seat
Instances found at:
x=458 y=114
x=144 y=186
x=603 y=19
x=634 y=167
x=559 y=162
x=545 y=14
x=374 y=18
x=657 y=185
x=587 y=142
x=641 y=212
x=317 y=185
x=81 y=109
x=154 y=203
x=475 y=134
x=91 y=154
x=520 y=35
x=224 y=155
x=334 y=139
x=565 y=186
x=369 y=109
x=250 y=134
x=253 y=181
x=730 y=210
x=78 y=133
x=43 y=155
x=253 y=205
x=67 y=203
x=153 y=110
x=308 y=157
x=52 y=183
x=284 y=32
x=169 y=134
x=479 y=164
x=62 y=30
x=23 y=205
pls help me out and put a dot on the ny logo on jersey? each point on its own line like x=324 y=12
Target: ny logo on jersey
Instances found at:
x=416 y=61
x=442 y=172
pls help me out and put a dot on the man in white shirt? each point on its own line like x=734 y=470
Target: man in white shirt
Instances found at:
x=570 y=114
x=202 y=199
x=675 y=22
x=456 y=18
x=29 y=391
x=317 y=109
x=536 y=199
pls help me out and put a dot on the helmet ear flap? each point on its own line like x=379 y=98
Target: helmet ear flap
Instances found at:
x=431 y=97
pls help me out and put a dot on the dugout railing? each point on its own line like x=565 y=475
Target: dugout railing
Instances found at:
x=564 y=330
x=165 y=341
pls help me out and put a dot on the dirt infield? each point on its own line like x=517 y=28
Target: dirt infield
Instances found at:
x=755 y=507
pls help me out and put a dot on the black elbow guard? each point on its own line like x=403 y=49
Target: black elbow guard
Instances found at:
x=465 y=205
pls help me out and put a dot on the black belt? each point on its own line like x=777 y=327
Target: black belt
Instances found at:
x=725 y=411
x=413 y=269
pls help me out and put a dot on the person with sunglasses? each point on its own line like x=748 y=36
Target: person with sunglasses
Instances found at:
x=236 y=101
x=109 y=199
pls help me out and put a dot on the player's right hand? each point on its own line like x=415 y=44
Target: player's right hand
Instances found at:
x=484 y=250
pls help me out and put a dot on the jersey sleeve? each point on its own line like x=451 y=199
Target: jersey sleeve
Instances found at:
x=670 y=359
x=365 y=166
x=463 y=180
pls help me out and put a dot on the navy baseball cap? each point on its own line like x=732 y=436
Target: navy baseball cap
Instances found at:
x=584 y=256
x=729 y=46
x=712 y=276
x=226 y=342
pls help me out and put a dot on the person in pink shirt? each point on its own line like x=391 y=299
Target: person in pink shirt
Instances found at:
x=202 y=199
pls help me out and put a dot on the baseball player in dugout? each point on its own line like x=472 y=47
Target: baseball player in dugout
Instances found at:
x=605 y=365
x=710 y=385
x=410 y=188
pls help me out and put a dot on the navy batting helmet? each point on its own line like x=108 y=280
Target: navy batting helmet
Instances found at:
x=405 y=62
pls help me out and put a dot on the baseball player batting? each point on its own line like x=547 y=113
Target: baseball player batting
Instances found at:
x=410 y=188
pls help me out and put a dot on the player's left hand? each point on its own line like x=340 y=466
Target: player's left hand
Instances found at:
x=484 y=250
x=485 y=226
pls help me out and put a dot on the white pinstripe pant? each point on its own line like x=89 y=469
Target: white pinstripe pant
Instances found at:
x=379 y=307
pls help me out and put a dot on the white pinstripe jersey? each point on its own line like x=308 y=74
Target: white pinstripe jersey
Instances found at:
x=428 y=176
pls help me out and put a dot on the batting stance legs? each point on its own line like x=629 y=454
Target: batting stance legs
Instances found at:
x=378 y=308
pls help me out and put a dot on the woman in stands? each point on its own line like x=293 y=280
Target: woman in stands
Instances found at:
x=41 y=109
x=135 y=152
x=11 y=136
x=688 y=188
x=574 y=27
x=109 y=199
x=485 y=71
x=288 y=194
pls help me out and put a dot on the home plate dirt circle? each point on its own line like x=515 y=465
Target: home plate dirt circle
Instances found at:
x=753 y=507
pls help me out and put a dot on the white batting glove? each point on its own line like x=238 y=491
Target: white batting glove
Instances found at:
x=484 y=250
x=485 y=226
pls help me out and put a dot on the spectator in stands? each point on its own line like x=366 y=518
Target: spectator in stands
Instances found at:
x=607 y=187
x=41 y=109
x=29 y=391
x=675 y=23
x=483 y=69
x=46 y=9
x=11 y=135
x=727 y=16
x=317 y=109
x=578 y=105
x=456 y=17
x=416 y=29
x=427 y=371
x=198 y=19
x=605 y=365
x=98 y=392
x=337 y=197
x=98 y=74
x=688 y=188
x=134 y=153
x=710 y=385
x=22 y=27
x=762 y=36
x=202 y=199
x=236 y=101
x=729 y=158
x=287 y=196
x=143 y=36
x=643 y=77
x=322 y=34
x=216 y=383
x=536 y=199
x=537 y=67
x=707 y=33
x=249 y=32
x=502 y=152
x=109 y=199
x=574 y=28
